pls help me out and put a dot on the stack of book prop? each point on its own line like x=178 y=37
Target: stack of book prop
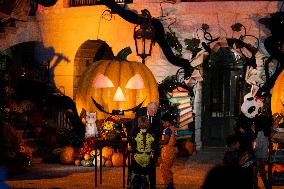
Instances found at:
x=181 y=99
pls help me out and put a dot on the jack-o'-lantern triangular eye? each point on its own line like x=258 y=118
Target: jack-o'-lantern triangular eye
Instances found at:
x=102 y=81
x=135 y=82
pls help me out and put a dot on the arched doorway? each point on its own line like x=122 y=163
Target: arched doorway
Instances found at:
x=89 y=52
x=223 y=91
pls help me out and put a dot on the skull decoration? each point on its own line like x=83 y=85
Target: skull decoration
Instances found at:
x=251 y=106
x=116 y=85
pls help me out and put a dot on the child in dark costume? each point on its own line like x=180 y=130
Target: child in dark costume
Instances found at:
x=142 y=148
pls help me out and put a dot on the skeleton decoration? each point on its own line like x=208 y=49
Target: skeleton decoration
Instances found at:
x=257 y=76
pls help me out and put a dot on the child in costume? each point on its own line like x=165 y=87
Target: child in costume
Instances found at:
x=142 y=148
x=168 y=149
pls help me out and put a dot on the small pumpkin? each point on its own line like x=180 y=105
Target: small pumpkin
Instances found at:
x=103 y=161
x=277 y=98
x=107 y=152
x=87 y=156
x=108 y=163
x=116 y=85
x=277 y=168
x=117 y=159
x=77 y=162
x=67 y=155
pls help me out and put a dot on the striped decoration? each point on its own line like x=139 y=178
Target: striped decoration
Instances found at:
x=181 y=99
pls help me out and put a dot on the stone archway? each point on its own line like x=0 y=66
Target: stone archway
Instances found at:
x=89 y=52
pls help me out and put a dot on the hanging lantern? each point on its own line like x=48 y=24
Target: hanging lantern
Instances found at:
x=144 y=35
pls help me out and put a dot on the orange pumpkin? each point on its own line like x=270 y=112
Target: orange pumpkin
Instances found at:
x=117 y=159
x=116 y=85
x=67 y=154
x=277 y=168
x=107 y=152
x=77 y=162
x=277 y=98
x=108 y=163
x=87 y=156
x=103 y=161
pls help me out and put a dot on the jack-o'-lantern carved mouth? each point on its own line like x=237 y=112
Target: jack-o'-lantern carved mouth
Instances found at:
x=102 y=81
x=116 y=112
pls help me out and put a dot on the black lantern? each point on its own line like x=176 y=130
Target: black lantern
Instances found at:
x=144 y=35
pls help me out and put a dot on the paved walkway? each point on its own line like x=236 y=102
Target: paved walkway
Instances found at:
x=189 y=173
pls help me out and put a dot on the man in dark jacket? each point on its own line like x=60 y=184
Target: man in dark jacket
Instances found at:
x=155 y=129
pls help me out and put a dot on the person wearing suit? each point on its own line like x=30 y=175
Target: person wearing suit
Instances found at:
x=155 y=129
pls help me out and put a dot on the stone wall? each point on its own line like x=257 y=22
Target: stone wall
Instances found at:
x=23 y=32
x=65 y=29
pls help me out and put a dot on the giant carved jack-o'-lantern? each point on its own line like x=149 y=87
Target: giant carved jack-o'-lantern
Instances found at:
x=277 y=98
x=116 y=85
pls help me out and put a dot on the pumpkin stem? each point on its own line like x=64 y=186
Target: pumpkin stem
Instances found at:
x=122 y=55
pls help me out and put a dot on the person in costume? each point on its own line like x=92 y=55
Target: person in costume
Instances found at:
x=168 y=149
x=153 y=114
x=142 y=153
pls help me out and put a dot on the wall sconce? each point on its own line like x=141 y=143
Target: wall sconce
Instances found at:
x=144 y=35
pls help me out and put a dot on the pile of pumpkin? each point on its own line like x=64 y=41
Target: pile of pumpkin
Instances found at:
x=276 y=168
x=86 y=156
x=109 y=157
